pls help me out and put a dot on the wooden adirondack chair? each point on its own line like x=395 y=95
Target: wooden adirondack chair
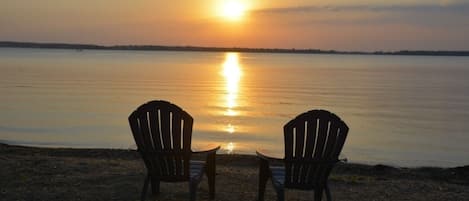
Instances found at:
x=162 y=132
x=313 y=142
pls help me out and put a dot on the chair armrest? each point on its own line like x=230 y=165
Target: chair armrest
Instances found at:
x=342 y=158
x=262 y=154
x=209 y=149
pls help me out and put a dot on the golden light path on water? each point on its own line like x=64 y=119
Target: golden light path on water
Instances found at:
x=232 y=75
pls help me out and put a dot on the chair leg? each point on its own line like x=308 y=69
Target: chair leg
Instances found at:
x=211 y=172
x=263 y=177
x=145 y=187
x=155 y=186
x=193 y=190
x=318 y=194
x=280 y=194
x=328 y=193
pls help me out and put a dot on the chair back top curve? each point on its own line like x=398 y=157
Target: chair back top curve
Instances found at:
x=313 y=142
x=162 y=132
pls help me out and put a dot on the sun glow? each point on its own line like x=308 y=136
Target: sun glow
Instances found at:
x=232 y=10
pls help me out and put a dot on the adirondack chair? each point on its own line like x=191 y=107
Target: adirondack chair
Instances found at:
x=313 y=142
x=162 y=132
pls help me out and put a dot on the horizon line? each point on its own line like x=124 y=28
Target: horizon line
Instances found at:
x=153 y=47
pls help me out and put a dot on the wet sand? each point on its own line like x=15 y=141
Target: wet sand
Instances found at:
x=28 y=173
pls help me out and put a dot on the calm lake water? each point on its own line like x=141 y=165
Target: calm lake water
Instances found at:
x=401 y=110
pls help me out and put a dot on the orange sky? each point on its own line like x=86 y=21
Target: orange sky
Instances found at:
x=334 y=24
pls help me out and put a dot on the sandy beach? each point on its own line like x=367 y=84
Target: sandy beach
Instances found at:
x=104 y=174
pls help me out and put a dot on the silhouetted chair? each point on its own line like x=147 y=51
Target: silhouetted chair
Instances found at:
x=162 y=132
x=313 y=142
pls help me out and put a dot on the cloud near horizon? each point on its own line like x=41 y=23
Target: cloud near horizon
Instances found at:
x=461 y=8
x=442 y=15
x=437 y=25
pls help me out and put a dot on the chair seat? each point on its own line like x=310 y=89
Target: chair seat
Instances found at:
x=278 y=175
x=196 y=170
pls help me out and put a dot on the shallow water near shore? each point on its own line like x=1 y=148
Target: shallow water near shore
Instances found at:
x=401 y=110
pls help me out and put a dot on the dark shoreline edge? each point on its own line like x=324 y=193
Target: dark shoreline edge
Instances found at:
x=81 y=47
x=56 y=174
x=458 y=175
x=122 y=153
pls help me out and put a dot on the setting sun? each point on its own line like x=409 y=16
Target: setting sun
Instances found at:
x=232 y=10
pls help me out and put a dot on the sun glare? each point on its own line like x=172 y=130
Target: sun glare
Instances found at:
x=232 y=10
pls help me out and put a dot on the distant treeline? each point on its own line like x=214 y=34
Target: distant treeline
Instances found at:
x=221 y=49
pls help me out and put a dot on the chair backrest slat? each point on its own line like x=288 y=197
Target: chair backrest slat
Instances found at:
x=165 y=130
x=288 y=142
x=288 y=150
x=299 y=135
x=155 y=129
x=313 y=141
x=176 y=133
x=322 y=135
x=136 y=132
x=162 y=132
x=310 y=138
x=299 y=141
x=145 y=130
x=331 y=141
x=340 y=141
x=187 y=138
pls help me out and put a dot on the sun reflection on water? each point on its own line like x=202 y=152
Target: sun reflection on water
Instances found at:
x=230 y=128
x=229 y=147
x=232 y=75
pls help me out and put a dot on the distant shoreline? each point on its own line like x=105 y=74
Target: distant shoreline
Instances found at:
x=80 y=47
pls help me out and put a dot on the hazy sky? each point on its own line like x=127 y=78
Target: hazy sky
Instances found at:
x=333 y=24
